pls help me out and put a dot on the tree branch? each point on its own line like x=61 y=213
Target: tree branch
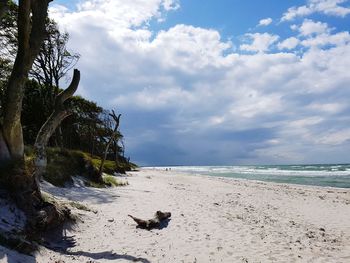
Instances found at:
x=68 y=92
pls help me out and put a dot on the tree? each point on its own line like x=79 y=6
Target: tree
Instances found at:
x=3 y=7
x=49 y=67
x=8 y=44
x=32 y=15
x=54 y=60
x=81 y=130
x=112 y=136
x=35 y=110
x=8 y=32
x=31 y=31
x=52 y=64
x=60 y=112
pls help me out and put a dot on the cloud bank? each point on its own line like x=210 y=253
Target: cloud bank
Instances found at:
x=189 y=96
x=327 y=7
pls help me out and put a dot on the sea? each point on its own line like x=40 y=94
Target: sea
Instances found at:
x=327 y=175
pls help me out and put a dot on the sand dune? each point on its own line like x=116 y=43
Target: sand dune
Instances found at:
x=213 y=220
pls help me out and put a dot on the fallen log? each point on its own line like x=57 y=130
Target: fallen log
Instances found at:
x=156 y=222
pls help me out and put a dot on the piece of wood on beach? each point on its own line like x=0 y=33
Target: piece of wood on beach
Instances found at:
x=160 y=220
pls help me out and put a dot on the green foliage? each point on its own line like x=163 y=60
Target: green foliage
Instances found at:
x=36 y=110
x=112 y=181
x=48 y=198
x=63 y=164
x=80 y=206
x=87 y=129
x=8 y=32
x=109 y=181
x=10 y=170
x=81 y=129
x=111 y=167
x=8 y=47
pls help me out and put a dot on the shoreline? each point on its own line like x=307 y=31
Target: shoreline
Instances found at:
x=305 y=178
x=213 y=220
x=159 y=169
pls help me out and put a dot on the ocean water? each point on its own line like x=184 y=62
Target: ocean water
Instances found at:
x=331 y=175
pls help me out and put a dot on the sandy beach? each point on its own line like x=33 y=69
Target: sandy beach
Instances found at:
x=213 y=220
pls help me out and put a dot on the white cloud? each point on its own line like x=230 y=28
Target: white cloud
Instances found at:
x=328 y=7
x=310 y=27
x=189 y=47
x=171 y=5
x=154 y=99
x=329 y=108
x=265 y=22
x=294 y=27
x=294 y=12
x=259 y=42
x=315 y=34
x=334 y=137
x=289 y=43
x=110 y=14
x=338 y=39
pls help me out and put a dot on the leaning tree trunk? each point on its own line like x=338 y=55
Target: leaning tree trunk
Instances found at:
x=60 y=112
x=111 y=139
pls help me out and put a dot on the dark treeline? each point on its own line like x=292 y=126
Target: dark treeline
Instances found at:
x=46 y=131
x=87 y=126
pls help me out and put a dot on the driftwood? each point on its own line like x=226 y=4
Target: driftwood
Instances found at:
x=156 y=222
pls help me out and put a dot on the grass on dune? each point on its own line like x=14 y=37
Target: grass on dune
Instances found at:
x=63 y=164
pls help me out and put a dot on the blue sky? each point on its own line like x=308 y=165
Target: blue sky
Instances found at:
x=218 y=82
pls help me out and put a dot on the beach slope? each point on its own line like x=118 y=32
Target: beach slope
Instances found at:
x=213 y=220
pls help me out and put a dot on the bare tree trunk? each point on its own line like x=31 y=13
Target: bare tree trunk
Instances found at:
x=117 y=121
x=58 y=115
x=104 y=159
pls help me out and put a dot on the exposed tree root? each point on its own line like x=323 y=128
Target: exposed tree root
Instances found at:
x=41 y=215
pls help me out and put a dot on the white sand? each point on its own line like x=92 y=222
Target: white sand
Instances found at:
x=213 y=220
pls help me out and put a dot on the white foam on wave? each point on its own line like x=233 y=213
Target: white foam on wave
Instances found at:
x=295 y=170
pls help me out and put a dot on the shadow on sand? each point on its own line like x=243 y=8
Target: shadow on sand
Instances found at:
x=107 y=255
x=79 y=193
x=163 y=224
x=58 y=241
x=12 y=256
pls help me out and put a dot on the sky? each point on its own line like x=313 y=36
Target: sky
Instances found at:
x=226 y=82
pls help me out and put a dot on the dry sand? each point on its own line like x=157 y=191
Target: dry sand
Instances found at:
x=213 y=220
